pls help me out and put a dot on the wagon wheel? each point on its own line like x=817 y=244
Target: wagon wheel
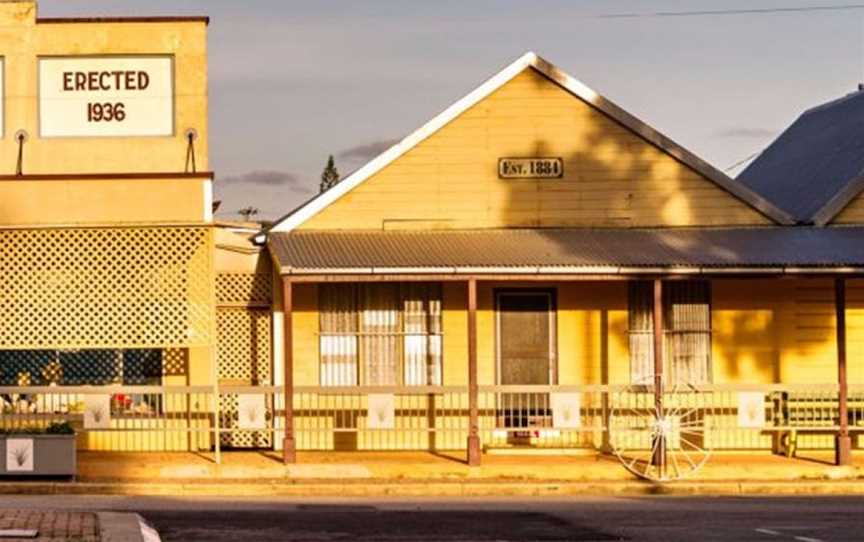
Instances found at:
x=659 y=442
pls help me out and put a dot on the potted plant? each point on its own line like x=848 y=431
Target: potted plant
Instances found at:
x=38 y=451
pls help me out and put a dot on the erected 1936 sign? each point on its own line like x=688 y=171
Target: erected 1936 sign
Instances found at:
x=530 y=168
x=111 y=96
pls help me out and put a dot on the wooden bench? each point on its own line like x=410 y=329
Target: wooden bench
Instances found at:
x=802 y=412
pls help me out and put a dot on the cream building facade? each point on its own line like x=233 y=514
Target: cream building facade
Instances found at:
x=111 y=257
x=533 y=268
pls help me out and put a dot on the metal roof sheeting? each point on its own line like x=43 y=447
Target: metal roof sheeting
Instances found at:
x=441 y=251
x=813 y=160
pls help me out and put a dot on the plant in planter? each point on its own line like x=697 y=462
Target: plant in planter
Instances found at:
x=38 y=451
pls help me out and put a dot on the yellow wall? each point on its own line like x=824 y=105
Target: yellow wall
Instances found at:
x=236 y=253
x=103 y=201
x=746 y=319
x=23 y=39
x=611 y=176
x=49 y=194
x=591 y=332
x=764 y=331
x=853 y=213
x=306 y=347
x=592 y=324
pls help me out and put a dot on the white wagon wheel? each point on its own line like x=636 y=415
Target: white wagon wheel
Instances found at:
x=661 y=442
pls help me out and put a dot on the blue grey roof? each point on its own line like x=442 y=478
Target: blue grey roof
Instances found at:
x=811 y=169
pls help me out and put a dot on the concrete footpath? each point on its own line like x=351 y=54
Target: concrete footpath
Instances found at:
x=382 y=474
x=71 y=525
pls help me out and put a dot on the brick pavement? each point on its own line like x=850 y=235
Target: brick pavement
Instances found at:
x=54 y=526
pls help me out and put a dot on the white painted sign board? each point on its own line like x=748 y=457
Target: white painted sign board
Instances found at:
x=252 y=411
x=751 y=409
x=530 y=168
x=97 y=412
x=566 y=410
x=19 y=455
x=110 y=96
x=382 y=411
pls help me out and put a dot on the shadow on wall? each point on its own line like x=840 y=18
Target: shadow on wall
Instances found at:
x=613 y=178
x=745 y=345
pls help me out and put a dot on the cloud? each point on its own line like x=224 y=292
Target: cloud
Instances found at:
x=270 y=178
x=755 y=133
x=367 y=151
x=272 y=194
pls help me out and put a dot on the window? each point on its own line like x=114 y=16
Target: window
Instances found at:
x=380 y=334
x=80 y=367
x=686 y=331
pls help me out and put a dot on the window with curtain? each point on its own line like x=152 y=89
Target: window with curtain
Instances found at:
x=380 y=334
x=686 y=331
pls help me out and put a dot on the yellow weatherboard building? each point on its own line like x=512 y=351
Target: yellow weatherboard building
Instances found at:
x=520 y=259
x=532 y=268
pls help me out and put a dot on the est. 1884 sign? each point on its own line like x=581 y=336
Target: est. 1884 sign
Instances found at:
x=111 y=96
x=530 y=168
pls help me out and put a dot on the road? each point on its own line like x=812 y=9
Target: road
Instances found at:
x=667 y=519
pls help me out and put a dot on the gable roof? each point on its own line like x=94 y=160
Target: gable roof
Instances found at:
x=572 y=85
x=816 y=166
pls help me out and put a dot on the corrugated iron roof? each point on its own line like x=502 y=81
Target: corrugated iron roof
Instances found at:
x=717 y=248
x=813 y=163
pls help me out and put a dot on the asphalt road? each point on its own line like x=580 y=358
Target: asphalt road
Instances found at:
x=667 y=519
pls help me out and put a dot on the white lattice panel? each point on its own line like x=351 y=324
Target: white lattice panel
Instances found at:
x=106 y=288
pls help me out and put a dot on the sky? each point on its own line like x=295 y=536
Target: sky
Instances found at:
x=294 y=81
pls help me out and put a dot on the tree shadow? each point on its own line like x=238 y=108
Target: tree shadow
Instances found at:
x=614 y=178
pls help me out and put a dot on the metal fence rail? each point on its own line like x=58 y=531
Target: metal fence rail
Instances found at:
x=381 y=417
x=121 y=418
x=525 y=416
x=166 y=418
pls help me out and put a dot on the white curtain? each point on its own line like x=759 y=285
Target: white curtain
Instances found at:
x=380 y=334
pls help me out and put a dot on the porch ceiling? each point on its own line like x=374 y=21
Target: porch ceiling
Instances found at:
x=569 y=250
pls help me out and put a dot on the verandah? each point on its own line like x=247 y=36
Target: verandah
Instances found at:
x=469 y=412
x=429 y=416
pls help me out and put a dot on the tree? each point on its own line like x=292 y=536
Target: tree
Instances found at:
x=247 y=213
x=330 y=176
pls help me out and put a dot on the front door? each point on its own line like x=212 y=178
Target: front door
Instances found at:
x=526 y=357
x=526 y=320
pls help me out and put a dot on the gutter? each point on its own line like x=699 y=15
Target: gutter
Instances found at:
x=581 y=270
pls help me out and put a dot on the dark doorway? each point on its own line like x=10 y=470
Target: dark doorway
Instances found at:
x=526 y=357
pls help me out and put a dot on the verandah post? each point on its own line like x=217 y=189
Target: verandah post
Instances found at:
x=659 y=457
x=843 y=442
x=289 y=448
x=473 y=388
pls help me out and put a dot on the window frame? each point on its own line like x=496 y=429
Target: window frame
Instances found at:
x=668 y=331
x=357 y=333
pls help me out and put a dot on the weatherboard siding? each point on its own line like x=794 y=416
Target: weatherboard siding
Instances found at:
x=764 y=331
x=612 y=177
x=853 y=213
